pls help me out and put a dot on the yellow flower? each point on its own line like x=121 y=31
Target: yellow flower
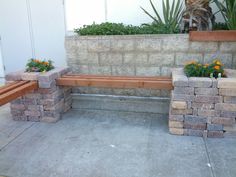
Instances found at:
x=218 y=63
x=217 y=67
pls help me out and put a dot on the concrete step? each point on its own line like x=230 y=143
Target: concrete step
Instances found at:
x=157 y=105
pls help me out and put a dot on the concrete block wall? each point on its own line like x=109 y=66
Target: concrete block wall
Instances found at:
x=140 y=55
x=45 y=104
x=202 y=106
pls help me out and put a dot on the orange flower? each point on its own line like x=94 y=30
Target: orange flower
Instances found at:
x=217 y=67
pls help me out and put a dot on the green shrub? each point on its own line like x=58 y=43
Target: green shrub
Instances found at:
x=220 y=26
x=35 y=65
x=121 y=29
x=196 y=69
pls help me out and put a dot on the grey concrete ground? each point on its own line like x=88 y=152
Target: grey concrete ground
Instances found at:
x=90 y=143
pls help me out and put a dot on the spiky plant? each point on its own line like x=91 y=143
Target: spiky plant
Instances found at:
x=172 y=15
x=228 y=11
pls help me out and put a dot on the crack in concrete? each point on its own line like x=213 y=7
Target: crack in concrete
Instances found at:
x=209 y=158
x=27 y=128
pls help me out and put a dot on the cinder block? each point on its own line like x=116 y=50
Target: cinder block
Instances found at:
x=228 y=114
x=215 y=127
x=176 y=131
x=206 y=91
x=228 y=83
x=225 y=107
x=201 y=82
x=33 y=113
x=227 y=92
x=184 y=90
x=190 y=132
x=176 y=44
x=223 y=121
x=122 y=45
x=161 y=59
x=18 y=107
x=179 y=118
x=107 y=59
x=208 y=99
x=175 y=124
x=230 y=99
x=30 y=76
x=179 y=105
x=215 y=134
x=148 y=71
x=195 y=126
x=182 y=97
x=207 y=113
x=181 y=111
x=195 y=119
x=14 y=76
x=180 y=80
x=146 y=44
x=199 y=105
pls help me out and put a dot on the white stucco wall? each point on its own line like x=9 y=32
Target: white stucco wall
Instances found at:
x=80 y=12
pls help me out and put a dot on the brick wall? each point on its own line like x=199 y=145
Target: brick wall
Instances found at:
x=140 y=55
x=47 y=103
x=202 y=106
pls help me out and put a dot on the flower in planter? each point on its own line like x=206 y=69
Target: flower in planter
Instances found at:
x=196 y=69
x=36 y=65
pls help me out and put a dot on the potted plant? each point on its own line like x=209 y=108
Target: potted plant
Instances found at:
x=228 y=11
x=36 y=65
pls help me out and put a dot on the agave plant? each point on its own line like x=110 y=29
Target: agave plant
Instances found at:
x=172 y=15
x=197 y=15
x=228 y=11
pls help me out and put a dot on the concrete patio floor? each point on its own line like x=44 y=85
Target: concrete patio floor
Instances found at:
x=109 y=144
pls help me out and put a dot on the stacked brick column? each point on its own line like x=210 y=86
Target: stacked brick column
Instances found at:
x=201 y=106
x=45 y=104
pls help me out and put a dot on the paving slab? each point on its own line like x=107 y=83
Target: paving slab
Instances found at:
x=103 y=144
x=222 y=154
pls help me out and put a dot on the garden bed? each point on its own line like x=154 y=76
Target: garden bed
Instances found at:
x=213 y=36
x=202 y=106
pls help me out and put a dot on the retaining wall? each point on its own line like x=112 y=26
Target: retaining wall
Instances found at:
x=140 y=55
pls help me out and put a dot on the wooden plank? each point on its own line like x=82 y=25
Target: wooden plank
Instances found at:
x=215 y=36
x=17 y=92
x=12 y=86
x=117 y=77
x=115 y=83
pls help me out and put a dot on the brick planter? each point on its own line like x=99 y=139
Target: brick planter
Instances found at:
x=202 y=106
x=45 y=104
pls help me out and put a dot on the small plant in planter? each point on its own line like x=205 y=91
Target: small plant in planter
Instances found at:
x=196 y=69
x=36 y=65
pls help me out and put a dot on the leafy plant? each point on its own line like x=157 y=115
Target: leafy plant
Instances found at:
x=172 y=15
x=121 y=29
x=228 y=11
x=35 y=65
x=220 y=26
x=196 y=69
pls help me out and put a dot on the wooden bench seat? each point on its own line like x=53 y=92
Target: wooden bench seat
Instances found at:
x=16 y=89
x=74 y=80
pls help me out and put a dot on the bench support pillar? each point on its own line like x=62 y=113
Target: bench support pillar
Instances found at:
x=45 y=104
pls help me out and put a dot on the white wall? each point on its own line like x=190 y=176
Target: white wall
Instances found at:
x=31 y=28
x=81 y=12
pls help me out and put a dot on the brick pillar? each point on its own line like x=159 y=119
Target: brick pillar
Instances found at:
x=202 y=106
x=45 y=104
